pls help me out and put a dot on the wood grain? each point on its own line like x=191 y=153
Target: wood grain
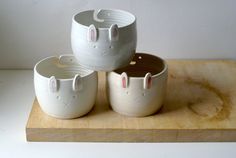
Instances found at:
x=200 y=105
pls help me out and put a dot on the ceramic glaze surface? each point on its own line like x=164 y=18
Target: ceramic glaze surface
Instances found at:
x=138 y=89
x=105 y=39
x=64 y=88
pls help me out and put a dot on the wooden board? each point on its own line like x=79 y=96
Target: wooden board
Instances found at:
x=200 y=106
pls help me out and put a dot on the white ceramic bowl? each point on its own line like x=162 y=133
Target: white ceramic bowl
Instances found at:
x=64 y=88
x=104 y=40
x=138 y=89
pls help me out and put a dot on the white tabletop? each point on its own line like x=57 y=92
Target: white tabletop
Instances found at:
x=16 y=97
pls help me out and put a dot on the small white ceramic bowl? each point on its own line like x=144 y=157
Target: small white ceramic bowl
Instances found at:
x=104 y=40
x=138 y=89
x=64 y=88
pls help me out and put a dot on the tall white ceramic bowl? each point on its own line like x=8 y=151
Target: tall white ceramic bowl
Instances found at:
x=64 y=88
x=138 y=89
x=105 y=39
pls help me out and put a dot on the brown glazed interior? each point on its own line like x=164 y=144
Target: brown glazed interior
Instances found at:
x=142 y=64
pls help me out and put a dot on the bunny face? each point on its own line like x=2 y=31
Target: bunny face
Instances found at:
x=70 y=100
x=138 y=89
x=63 y=88
x=103 y=40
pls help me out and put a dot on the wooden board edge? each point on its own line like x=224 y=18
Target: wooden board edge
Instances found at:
x=131 y=135
x=30 y=114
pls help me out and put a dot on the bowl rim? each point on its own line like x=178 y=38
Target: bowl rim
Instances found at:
x=165 y=69
x=91 y=72
x=105 y=28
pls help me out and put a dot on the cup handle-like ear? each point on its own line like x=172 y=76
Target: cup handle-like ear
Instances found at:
x=53 y=84
x=124 y=80
x=92 y=33
x=114 y=33
x=77 y=83
x=147 y=81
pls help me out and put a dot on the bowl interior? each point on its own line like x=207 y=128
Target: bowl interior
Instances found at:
x=104 y=18
x=142 y=64
x=53 y=67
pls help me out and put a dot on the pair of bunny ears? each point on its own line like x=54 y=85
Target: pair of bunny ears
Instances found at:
x=147 y=81
x=54 y=86
x=92 y=34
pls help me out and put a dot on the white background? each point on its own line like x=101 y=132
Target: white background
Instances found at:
x=33 y=29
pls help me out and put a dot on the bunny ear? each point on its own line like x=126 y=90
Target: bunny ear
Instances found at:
x=77 y=83
x=92 y=33
x=113 y=32
x=147 y=81
x=124 y=80
x=52 y=84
